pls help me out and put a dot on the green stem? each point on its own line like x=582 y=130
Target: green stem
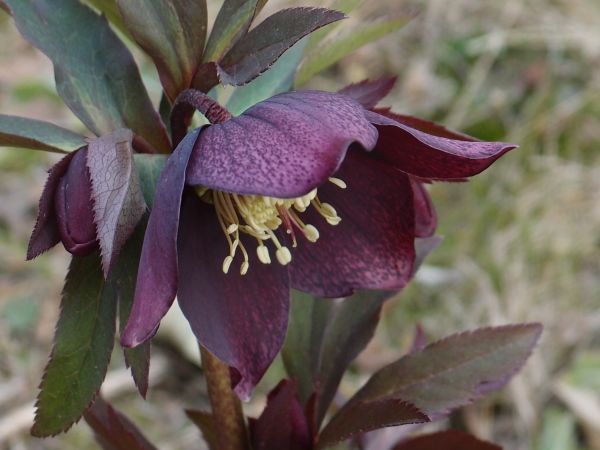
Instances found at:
x=230 y=426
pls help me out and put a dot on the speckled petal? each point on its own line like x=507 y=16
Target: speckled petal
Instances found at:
x=429 y=156
x=282 y=147
x=425 y=215
x=156 y=284
x=373 y=246
x=240 y=319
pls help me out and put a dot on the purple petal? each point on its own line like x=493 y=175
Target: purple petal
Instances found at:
x=370 y=92
x=282 y=424
x=157 y=275
x=425 y=215
x=372 y=247
x=74 y=207
x=282 y=147
x=432 y=157
x=242 y=320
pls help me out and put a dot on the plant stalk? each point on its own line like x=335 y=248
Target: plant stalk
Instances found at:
x=228 y=417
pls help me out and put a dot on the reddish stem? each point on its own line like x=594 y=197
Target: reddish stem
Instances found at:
x=186 y=104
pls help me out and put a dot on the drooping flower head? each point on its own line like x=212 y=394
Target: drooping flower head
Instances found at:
x=307 y=190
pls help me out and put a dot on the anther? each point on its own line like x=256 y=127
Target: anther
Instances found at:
x=244 y=268
x=232 y=228
x=339 y=183
x=283 y=256
x=263 y=254
x=311 y=233
x=227 y=264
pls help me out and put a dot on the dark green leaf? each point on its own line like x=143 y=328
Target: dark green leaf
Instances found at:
x=173 y=33
x=110 y=9
x=113 y=430
x=445 y=375
x=123 y=278
x=446 y=440
x=232 y=22
x=118 y=200
x=149 y=168
x=345 y=6
x=324 y=336
x=37 y=135
x=279 y=78
x=331 y=51
x=95 y=73
x=205 y=422
x=266 y=43
x=82 y=346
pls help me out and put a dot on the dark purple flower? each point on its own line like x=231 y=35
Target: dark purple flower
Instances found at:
x=306 y=190
x=66 y=210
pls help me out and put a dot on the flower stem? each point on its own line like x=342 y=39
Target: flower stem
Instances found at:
x=185 y=104
x=227 y=412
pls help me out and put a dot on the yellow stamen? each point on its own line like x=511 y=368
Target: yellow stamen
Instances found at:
x=260 y=217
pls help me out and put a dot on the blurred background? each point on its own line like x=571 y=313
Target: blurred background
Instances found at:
x=521 y=241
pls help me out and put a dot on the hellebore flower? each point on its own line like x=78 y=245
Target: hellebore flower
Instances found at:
x=66 y=210
x=307 y=190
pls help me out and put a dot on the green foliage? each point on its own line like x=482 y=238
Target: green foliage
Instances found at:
x=95 y=74
x=149 y=168
x=172 y=33
x=82 y=346
x=37 y=135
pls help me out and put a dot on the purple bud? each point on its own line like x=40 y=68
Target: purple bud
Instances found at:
x=74 y=209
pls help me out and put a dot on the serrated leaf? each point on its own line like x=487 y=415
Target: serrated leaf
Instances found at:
x=232 y=22
x=324 y=336
x=95 y=73
x=362 y=417
x=113 y=430
x=262 y=46
x=445 y=375
x=37 y=135
x=345 y=6
x=149 y=168
x=83 y=343
x=173 y=33
x=279 y=78
x=205 y=423
x=118 y=200
x=123 y=278
x=330 y=52
x=446 y=440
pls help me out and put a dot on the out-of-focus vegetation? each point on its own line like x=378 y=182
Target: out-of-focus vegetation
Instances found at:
x=521 y=241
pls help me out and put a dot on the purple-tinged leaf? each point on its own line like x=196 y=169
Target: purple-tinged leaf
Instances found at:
x=74 y=207
x=117 y=196
x=429 y=156
x=45 y=233
x=299 y=139
x=359 y=417
x=113 y=430
x=241 y=319
x=95 y=73
x=324 y=337
x=37 y=135
x=263 y=45
x=81 y=351
x=206 y=424
x=282 y=424
x=449 y=373
x=446 y=440
x=331 y=51
x=231 y=24
x=122 y=278
x=156 y=284
x=370 y=92
x=172 y=32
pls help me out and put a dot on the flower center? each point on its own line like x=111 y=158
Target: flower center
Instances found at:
x=260 y=217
